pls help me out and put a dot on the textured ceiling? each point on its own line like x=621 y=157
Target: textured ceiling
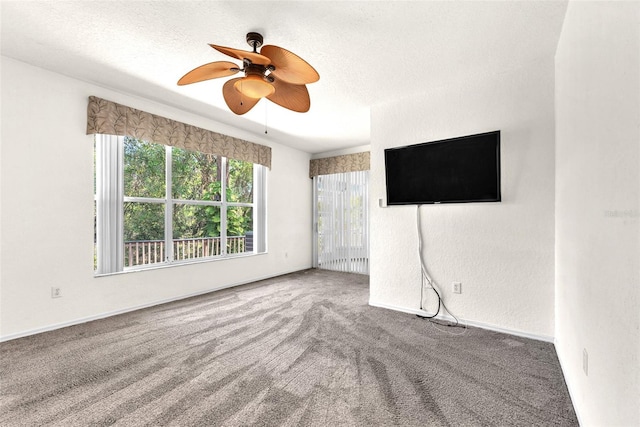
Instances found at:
x=365 y=52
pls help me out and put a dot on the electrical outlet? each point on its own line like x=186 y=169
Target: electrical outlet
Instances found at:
x=56 y=292
x=585 y=361
x=457 y=287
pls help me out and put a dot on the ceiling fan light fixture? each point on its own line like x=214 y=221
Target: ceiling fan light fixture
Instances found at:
x=254 y=86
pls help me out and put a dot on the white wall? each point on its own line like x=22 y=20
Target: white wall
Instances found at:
x=47 y=210
x=598 y=210
x=503 y=253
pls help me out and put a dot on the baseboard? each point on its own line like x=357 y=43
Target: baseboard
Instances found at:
x=134 y=308
x=476 y=324
x=572 y=393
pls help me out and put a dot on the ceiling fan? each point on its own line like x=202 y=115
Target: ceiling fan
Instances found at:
x=274 y=73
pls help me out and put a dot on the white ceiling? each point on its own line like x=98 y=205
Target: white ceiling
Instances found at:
x=365 y=52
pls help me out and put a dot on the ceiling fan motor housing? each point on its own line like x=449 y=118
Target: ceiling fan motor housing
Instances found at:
x=257 y=69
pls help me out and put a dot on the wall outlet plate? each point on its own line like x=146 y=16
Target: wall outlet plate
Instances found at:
x=457 y=287
x=56 y=292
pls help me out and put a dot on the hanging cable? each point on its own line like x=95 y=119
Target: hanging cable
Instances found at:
x=424 y=276
x=423 y=271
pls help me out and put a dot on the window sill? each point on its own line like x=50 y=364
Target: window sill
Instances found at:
x=181 y=263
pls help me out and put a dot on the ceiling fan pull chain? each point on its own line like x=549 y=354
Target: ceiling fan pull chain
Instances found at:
x=265 y=117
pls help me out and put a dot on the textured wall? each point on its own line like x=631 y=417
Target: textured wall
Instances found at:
x=503 y=253
x=47 y=203
x=598 y=209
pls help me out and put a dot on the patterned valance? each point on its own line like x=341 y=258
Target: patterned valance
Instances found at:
x=338 y=164
x=106 y=117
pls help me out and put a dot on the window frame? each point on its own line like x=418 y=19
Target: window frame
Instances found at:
x=110 y=199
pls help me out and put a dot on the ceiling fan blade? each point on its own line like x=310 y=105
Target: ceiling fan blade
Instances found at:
x=237 y=102
x=290 y=96
x=289 y=66
x=240 y=54
x=212 y=70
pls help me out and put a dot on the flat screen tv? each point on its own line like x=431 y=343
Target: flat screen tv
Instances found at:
x=456 y=170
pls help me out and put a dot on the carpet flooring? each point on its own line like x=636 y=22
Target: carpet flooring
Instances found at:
x=303 y=349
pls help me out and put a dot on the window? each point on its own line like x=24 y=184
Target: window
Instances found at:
x=341 y=214
x=158 y=205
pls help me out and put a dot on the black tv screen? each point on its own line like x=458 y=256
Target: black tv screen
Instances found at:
x=456 y=170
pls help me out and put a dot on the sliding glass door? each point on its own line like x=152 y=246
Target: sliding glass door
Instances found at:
x=341 y=219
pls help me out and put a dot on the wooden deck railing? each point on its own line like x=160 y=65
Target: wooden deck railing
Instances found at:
x=143 y=252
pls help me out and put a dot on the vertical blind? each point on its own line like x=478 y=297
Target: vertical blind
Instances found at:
x=342 y=221
x=109 y=206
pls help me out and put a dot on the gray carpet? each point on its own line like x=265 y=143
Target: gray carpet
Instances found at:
x=303 y=349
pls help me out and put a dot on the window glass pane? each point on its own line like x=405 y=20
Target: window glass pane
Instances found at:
x=143 y=233
x=195 y=176
x=239 y=181
x=143 y=168
x=196 y=231
x=239 y=229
